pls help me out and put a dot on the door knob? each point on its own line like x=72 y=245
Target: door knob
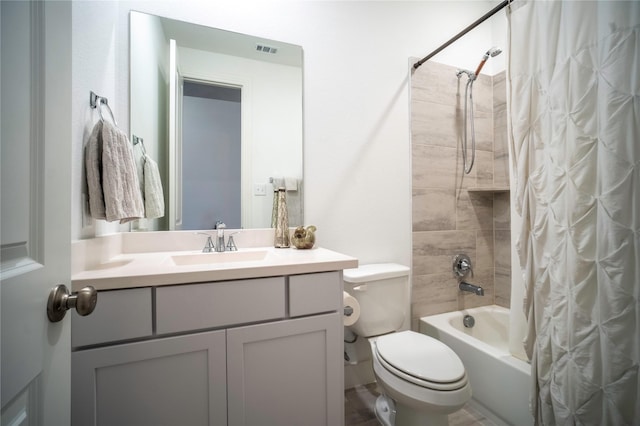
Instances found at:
x=61 y=300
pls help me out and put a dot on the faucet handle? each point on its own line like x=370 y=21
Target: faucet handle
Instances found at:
x=231 y=245
x=462 y=265
x=219 y=225
x=209 y=246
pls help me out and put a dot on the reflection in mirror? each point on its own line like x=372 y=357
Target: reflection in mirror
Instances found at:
x=221 y=114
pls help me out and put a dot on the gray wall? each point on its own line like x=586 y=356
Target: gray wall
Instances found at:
x=210 y=163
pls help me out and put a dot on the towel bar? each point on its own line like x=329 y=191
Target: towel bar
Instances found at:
x=138 y=140
x=96 y=101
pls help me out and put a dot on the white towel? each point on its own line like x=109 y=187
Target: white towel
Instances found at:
x=153 y=195
x=114 y=192
x=291 y=183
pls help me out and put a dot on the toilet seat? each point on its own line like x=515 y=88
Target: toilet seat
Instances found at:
x=421 y=360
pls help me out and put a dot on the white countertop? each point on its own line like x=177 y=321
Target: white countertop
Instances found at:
x=129 y=270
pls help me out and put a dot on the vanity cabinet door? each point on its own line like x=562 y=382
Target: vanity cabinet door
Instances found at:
x=172 y=381
x=286 y=373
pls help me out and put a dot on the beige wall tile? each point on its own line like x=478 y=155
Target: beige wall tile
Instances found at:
x=483 y=128
x=463 y=180
x=433 y=251
x=440 y=200
x=484 y=169
x=499 y=89
x=503 y=287
x=502 y=241
x=433 y=294
x=501 y=211
x=435 y=82
x=500 y=116
x=434 y=124
x=484 y=250
x=500 y=148
x=482 y=93
x=475 y=211
x=501 y=169
x=433 y=166
x=434 y=209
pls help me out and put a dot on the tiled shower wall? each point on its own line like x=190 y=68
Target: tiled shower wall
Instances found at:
x=452 y=212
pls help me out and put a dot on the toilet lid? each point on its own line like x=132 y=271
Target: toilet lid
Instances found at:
x=421 y=356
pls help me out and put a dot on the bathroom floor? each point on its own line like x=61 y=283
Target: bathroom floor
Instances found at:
x=359 y=402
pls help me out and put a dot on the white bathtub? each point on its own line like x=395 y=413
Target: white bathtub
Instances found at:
x=499 y=381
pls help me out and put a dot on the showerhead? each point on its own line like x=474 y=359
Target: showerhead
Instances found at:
x=494 y=51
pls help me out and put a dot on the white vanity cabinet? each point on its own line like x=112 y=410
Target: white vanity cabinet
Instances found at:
x=263 y=351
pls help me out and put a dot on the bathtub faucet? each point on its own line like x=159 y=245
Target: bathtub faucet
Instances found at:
x=471 y=288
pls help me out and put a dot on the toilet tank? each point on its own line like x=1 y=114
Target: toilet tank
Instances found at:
x=382 y=291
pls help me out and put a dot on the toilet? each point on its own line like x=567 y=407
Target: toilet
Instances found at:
x=422 y=379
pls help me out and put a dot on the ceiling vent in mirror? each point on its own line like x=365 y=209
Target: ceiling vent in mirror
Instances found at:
x=266 y=49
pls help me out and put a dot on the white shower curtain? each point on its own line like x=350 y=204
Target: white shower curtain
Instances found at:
x=574 y=99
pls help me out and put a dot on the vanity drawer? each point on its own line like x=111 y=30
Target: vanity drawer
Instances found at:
x=315 y=293
x=200 y=306
x=119 y=315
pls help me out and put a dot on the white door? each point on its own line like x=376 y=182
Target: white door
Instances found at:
x=35 y=206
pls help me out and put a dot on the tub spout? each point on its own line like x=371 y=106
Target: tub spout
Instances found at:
x=471 y=288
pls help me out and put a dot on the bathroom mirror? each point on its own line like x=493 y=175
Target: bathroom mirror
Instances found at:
x=221 y=114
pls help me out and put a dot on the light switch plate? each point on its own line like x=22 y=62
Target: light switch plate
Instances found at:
x=260 y=189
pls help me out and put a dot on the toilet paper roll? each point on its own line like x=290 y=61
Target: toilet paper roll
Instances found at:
x=351 y=309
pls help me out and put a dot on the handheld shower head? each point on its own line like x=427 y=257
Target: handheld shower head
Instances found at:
x=493 y=52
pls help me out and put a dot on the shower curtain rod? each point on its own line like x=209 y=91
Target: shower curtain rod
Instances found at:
x=463 y=32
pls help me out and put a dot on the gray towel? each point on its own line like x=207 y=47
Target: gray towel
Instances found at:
x=93 y=166
x=112 y=181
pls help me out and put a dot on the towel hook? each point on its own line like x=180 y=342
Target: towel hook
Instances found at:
x=96 y=101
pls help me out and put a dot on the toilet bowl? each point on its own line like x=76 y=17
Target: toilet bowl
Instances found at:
x=422 y=379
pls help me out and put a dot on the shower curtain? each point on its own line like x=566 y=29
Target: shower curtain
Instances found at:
x=574 y=101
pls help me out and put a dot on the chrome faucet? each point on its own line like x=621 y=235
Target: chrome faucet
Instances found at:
x=463 y=286
x=461 y=268
x=220 y=227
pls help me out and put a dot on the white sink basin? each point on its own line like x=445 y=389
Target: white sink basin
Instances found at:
x=223 y=257
x=110 y=265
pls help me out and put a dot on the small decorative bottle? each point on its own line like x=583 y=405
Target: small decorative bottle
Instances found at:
x=274 y=209
x=282 y=221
